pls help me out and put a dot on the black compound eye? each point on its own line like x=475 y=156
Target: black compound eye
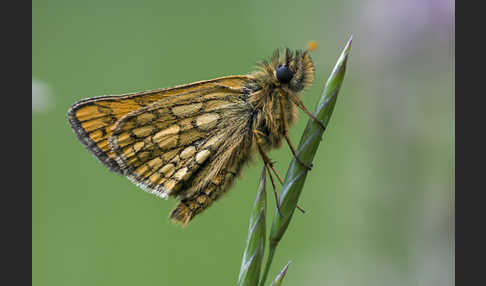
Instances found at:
x=284 y=74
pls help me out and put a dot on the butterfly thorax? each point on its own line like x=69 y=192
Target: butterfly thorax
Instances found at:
x=271 y=90
x=268 y=117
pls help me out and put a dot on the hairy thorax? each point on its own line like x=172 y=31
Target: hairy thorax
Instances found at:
x=268 y=118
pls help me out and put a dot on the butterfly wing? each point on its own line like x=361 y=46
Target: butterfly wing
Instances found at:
x=189 y=142
x=93 y=119
x=190 y=147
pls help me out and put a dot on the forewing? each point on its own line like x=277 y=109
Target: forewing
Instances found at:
x=93 y=119
x=161 y=146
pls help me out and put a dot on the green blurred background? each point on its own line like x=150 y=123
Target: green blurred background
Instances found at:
x=379 y=200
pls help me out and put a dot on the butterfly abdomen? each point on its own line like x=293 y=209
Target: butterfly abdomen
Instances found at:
x=216 y=176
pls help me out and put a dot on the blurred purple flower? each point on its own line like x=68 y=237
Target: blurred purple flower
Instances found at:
x=399 y=30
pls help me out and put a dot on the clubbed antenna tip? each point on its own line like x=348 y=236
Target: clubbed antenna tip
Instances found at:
x=311 y=46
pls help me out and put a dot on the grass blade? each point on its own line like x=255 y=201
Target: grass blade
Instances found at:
x=310 y=140
x=280 y=276
x=255 y=243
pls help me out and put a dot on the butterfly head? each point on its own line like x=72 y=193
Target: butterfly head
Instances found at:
x=292 y=71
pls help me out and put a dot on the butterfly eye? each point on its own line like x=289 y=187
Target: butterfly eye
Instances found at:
x=284 y=74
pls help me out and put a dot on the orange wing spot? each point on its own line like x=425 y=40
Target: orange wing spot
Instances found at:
x=96 y=135
x=142 y=170
x=86 y=113
x=168 y=169
x=155 y=163
x=170 y=185
x=103 y=145
x=155 y=179
x=145 y=118
x=168 y=143
x=143 y=155
x=143 y=131
x=94 y=124
x=124 y=139
x=128 y=152
x=133 y=161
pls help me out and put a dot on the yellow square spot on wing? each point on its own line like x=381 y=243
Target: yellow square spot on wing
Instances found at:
x=124 y=139
x=169 y=185
x=143 y=131
x=96 y=135
x=207 y=120
x=138 y=146
x=93 y=124
x=142 y=170
x=181 y=174
x=187 y=109
x=188 y=152
x=145 y=118
x=143 y=155
x=86 y=112
x=155 y=163
x=168 y=170
x=154 y=178
x=216 y=104
x=201 y=156
x=202 y=199
x=168 y=143
x=214 y=141
x=128 y=152
x=172 y=130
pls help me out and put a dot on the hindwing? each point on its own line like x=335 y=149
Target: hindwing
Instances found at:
x=162 y=146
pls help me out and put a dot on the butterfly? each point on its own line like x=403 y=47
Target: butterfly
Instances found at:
x=191 y=141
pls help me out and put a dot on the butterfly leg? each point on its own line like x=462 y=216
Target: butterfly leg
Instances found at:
x=287 y=138
x=268 y=162
x=301 y=105
x=269 y=166
x=277 y=199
